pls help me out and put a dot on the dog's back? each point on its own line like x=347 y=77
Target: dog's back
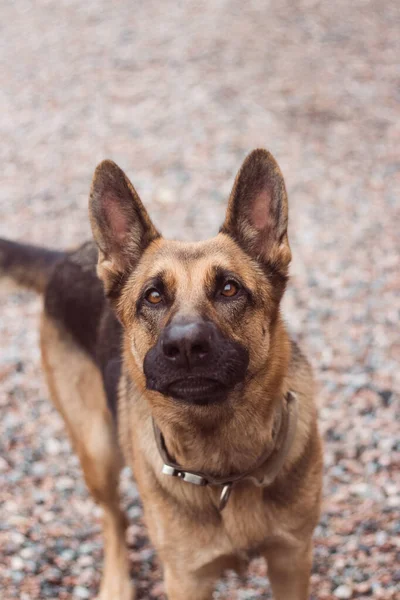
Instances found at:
x=73 y=299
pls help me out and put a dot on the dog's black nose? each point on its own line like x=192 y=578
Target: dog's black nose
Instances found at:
x=187 y=344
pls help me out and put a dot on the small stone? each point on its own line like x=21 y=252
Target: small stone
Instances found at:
x=85 y=561
x=146 y=554
x=17 y=576
x=27 y=552
x=381 y=538
x=53 y=575
x=39 y=469
x=86 y=576
x=386 y=396
x=393 y=501
x=47 y=517
x=86 y=548
x=360 y=489
x=392 y=489
x=17 y=564
x=17 y=538
x=343 y=592
x=81 y=592
x=157 y=590
x=39 y=496
x=363 y=588
x=65 y=483
x=164 y=196
x=67 y=555
x=53 y=447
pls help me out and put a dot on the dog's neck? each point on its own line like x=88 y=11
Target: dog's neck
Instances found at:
x=224 y=438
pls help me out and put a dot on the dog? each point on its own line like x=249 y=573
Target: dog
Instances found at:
x=173 y=358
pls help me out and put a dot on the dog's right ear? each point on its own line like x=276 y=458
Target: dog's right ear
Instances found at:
x=121 y=227
x=257 y=214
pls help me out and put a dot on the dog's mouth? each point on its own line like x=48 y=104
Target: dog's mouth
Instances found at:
x=198 y=390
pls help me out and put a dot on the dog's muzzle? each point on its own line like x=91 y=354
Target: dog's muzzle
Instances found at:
x=195 y=363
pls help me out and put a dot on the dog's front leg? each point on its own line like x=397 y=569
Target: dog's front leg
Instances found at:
x=289 y=572
x=183 y=585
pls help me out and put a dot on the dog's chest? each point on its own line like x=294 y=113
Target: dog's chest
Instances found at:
x=245 y=529
x=183 y=517
x=248 y=522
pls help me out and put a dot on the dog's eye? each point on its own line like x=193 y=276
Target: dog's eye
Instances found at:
x=153 y=296
x=230 y=289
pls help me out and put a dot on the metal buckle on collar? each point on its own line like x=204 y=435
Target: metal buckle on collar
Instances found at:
x=225 y=495
x=184 y=475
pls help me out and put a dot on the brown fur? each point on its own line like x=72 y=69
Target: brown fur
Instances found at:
x=195 y=541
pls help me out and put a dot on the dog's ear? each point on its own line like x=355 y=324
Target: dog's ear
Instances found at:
x=121 y=227
x=257 y=214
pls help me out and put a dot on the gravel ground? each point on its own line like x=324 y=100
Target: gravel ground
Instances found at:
x=177 y=94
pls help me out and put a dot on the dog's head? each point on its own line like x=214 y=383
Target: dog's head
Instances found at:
x=198 y=315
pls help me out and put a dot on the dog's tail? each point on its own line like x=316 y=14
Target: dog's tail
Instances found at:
x=28 y=266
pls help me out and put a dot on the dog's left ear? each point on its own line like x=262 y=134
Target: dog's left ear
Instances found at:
x=257 y=214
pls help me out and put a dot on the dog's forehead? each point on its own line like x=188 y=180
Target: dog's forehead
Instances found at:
x=196 y=261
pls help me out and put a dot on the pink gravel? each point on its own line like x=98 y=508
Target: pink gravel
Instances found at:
x=177 y=94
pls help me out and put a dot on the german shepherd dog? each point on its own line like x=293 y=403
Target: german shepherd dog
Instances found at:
x=173 y=358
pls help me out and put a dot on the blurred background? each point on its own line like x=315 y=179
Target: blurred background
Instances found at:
x=177 y=94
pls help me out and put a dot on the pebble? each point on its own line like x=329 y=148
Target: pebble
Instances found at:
x=17 y=564
x=53 y=575
x=65 y=483
x=343 y=592
x=39 y=469
x=381 y=538
x=27 y=552
x=53 y=446
x=81 y=592
x=165 y=196
x=158 y=590
x=68 y=555
x=17 y=538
